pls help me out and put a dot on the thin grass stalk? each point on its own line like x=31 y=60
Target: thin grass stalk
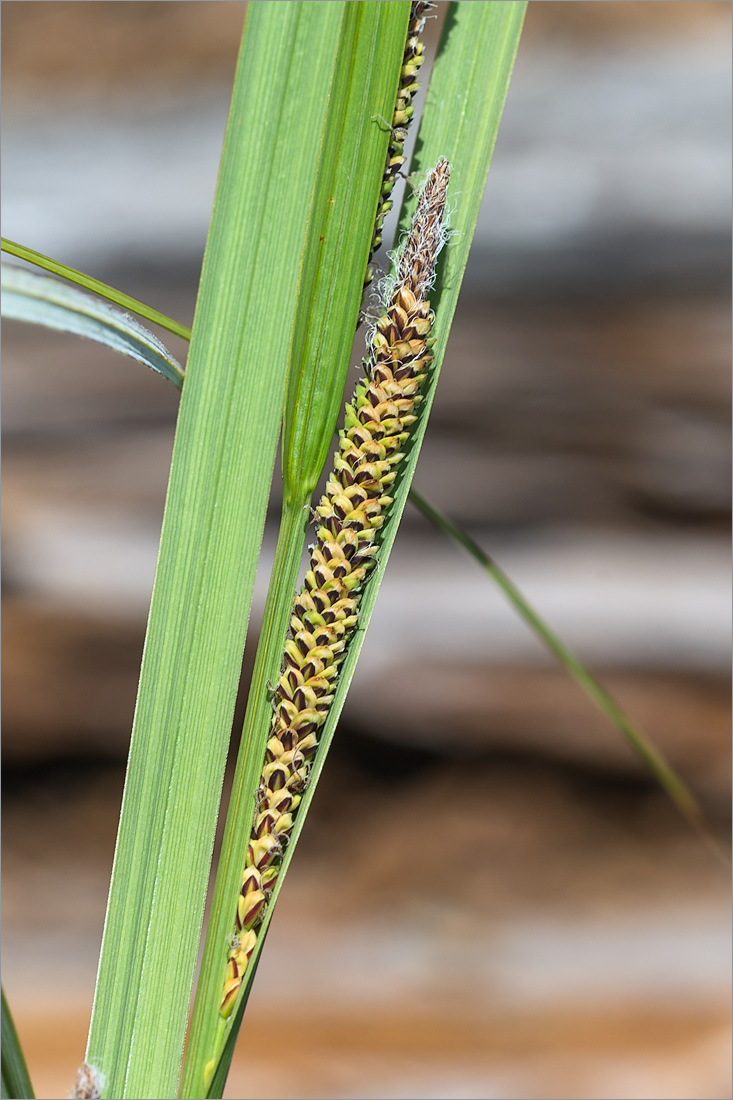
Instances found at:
x=652 y=758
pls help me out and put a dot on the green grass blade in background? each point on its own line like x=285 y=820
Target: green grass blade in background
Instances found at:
x=38 y=299
x=647 y=752
x=223 y=459
x=486 y=46
x=16 y=1084
x=102 y=289
x=343 y=210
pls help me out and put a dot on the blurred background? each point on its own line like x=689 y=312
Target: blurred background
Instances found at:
x=491 y=897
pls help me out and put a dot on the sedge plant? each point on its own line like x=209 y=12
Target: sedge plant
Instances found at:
x=320 y=108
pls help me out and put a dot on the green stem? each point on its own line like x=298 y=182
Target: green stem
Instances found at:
x=647 y=752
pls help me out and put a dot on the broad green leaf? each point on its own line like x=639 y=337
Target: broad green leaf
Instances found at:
x=343 y=210
x=40 y=300
x=16 y=1084
x=118 y=297
x=223 y=458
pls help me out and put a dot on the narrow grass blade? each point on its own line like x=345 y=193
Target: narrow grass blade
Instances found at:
x=16 y=1084
x=485 y=46
x=344 y=205
x=111 y=294
x=223 y=459
x=650 y=756
x=38 y=299
x=343 y=210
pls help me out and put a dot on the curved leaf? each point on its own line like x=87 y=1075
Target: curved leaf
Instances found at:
x=41 y=300
x=118 y=297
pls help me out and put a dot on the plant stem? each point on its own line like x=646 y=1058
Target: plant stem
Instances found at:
x=653 y=759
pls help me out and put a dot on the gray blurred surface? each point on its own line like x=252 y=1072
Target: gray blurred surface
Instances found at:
x=491 y=898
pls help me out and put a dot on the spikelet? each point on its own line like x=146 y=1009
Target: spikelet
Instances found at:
x=350 y=514
x=412 y=60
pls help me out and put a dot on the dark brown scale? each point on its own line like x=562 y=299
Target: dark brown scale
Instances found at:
x=288 y=737
x=350 y=539
x=277 y=779
x=323 y=575
x=374 y=395
x=265 y=825
x=309 y=726
x=287 y=710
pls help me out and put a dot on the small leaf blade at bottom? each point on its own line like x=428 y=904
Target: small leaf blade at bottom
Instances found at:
x=16 y=1083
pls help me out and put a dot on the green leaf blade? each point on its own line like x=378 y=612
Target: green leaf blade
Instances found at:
x=343 y=209
x=222 y=466
x=16 y=1084
x=343 y=212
